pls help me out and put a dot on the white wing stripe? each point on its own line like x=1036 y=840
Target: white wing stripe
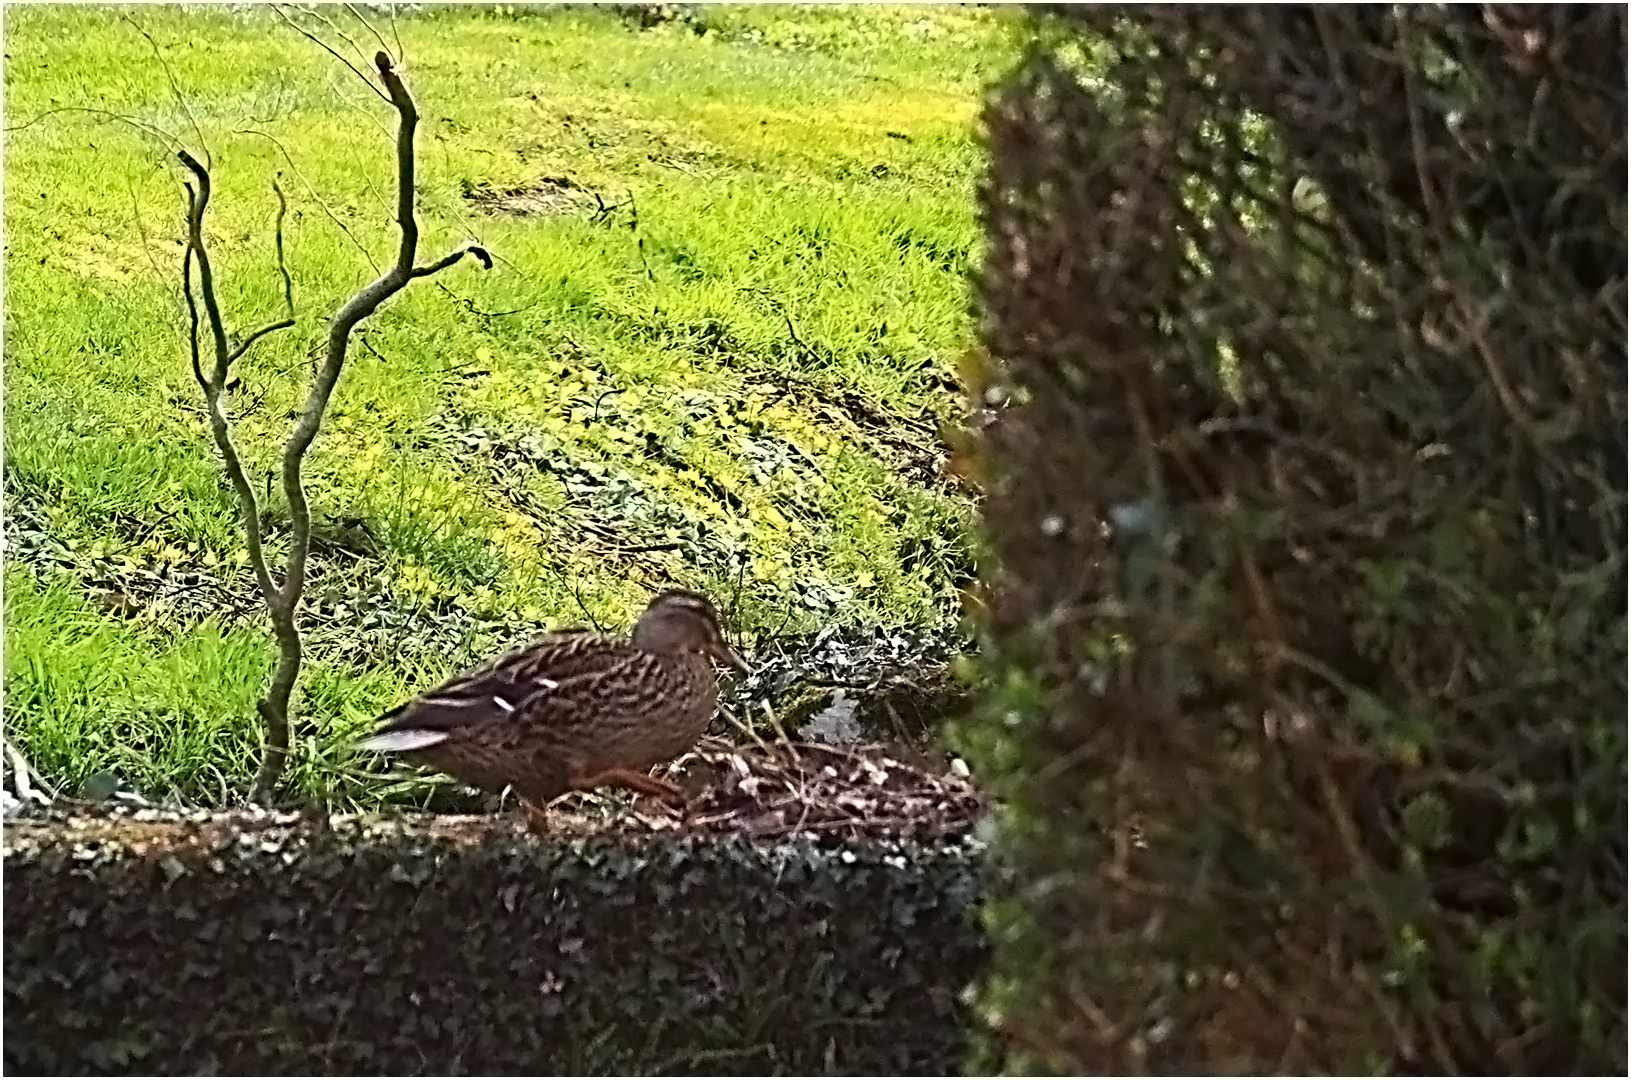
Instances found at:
x=398 y=741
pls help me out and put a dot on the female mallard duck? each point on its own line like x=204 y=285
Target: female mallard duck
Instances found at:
x=573 y=711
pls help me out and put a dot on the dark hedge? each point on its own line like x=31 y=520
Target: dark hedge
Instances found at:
x=1304 y=460
x=268 y=946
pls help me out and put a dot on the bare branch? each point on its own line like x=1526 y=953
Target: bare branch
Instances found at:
x=320 y=43
x=212 y=384
x=206 y=279
x=288 y=286
x=452 y=257
x=359 y=307
x=283 y=601
x=275 y=707
x=192 y=305
x=345 y=230
x=355 y=14
x=175 y=87
x=282 y=264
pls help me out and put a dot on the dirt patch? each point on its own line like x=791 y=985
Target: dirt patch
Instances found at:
x=916 y=445
x=546 y=195
x=613 y=516
x=647 y=16
x=805 y=789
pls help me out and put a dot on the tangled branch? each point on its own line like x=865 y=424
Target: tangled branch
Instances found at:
x=283 y=599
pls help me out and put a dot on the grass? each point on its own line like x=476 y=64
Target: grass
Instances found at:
x=718 y=357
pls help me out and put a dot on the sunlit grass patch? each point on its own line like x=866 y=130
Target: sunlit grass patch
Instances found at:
x=715 y=350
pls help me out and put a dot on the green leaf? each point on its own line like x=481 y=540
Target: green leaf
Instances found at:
x=100 y=785
x=1426 y=821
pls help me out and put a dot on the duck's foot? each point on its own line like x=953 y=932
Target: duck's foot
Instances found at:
x=680 y=810
x=634 y=781
x=536 y=817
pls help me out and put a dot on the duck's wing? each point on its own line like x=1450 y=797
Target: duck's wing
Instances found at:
x=563 y=668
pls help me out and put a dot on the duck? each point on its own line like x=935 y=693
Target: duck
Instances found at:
x=573 y=711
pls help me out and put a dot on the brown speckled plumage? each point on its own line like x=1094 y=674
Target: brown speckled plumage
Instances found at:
x=573 y=711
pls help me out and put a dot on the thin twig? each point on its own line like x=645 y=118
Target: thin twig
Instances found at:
x=377 y=195
x=317 y=14
x=320 y=43
x=288 y=286
x=577 y=596
x=794 y=334
x=141 y=229
x=396 y=37
x=175 y=88
x=355 y=14
x=243 y=346
x=316 y=197
x=470 y=306
x=377 y=355
x=164 y=138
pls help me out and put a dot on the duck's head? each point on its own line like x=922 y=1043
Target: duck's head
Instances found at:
x=681 y=621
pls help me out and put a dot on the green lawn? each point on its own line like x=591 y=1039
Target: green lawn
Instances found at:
x=717 y=349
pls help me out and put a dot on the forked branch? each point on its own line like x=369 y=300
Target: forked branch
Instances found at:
x=283 y=600
x=213 y=382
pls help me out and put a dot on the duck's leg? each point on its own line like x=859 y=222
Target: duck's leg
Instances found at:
x=633 y=781
x=537 y=817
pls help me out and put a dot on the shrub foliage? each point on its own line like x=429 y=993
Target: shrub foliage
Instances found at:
x=1306 y=606
x=245 y=946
